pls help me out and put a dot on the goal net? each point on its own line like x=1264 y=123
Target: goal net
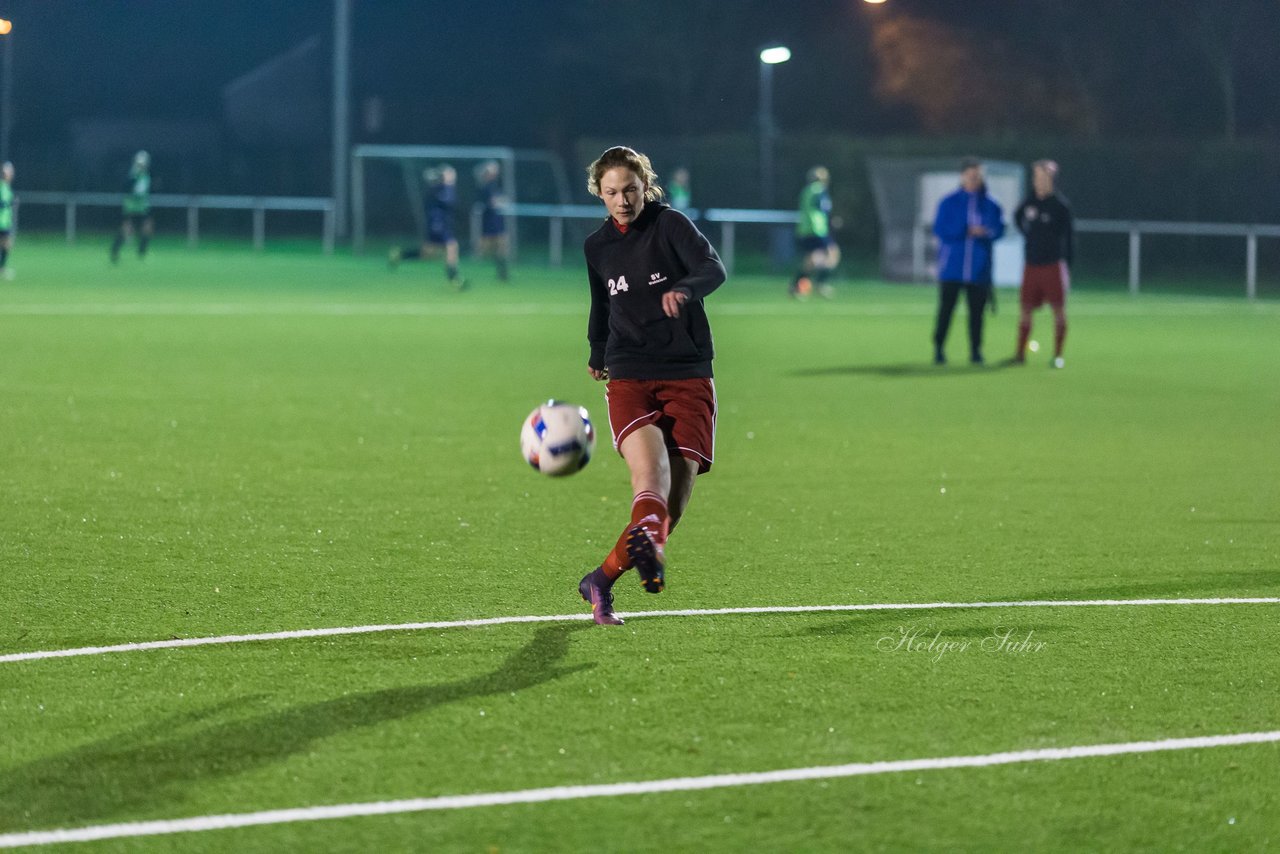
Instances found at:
x=387 y=190
x=907 y=191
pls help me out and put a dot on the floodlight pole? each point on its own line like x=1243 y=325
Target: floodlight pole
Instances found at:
x=769 y=57
x=6 y=96
x=341 y=114
x=766 y=134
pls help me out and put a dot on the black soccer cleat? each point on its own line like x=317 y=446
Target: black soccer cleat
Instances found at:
x=646 y=556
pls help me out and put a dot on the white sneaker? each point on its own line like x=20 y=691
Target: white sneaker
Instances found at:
x=1058 y=362
x=8 y=274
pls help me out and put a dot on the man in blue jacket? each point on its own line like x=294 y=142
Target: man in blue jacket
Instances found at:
x=968 y=222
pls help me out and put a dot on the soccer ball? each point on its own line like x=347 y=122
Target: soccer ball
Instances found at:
x=557 y=438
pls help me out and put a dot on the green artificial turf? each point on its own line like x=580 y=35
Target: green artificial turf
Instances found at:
x=220 y=442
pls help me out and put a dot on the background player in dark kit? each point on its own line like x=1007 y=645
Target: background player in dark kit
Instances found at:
x=1045 y=220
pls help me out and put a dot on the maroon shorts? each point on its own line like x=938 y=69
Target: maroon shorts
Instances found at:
x=1044 y=283
x=685 y=411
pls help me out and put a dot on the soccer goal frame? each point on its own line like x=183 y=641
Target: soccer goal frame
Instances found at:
x=409 y=157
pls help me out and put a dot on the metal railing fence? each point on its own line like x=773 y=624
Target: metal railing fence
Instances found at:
x=257 y=205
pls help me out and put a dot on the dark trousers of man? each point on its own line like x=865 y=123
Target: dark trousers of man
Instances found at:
x=948 y=295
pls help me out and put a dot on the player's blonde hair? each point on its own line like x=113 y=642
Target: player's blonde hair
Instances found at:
x=627 y=158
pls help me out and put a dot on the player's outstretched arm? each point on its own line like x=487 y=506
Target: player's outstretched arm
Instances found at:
x=706 y=270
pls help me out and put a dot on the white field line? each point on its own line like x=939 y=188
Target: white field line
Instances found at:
x=609 y=790
x=461 y=309
x=177 y=643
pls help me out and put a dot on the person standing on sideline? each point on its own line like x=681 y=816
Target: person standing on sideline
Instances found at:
x=6 y=218
x=1044 y=218
x=493 y=220
x=967 y=223
x=679 y=196
x=136 y=208
x=440 y=202
x=649 y=269
x=818 y=251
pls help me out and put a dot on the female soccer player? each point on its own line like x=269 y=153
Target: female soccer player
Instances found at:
x=493 y=222
x=649 y=269
x=439 y=204
x=137 y=208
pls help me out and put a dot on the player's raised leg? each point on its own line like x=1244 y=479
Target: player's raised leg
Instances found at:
x=642 y=541
x=645 y=451
x=408 y=253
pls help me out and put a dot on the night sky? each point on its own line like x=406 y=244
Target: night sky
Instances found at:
x=479 y=70
x=545 y=73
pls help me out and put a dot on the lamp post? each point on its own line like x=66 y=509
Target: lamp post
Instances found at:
x=769 y=57
x=6 y=88
x=341 y=114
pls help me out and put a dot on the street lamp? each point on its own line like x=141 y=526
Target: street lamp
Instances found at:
x=770 y=56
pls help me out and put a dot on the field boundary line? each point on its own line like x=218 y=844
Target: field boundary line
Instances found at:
x=606 y=790
x=179 y=643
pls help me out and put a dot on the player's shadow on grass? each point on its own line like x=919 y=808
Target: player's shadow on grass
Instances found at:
x=161 y=761
x=901 y=369
x=1238 y=583
x=923 y=625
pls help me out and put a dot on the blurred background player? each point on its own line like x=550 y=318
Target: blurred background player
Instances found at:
x=968 y=222
x=440 y=202
x=1044 y=218
x=137 y=208
x=649 y=269
x=818 y=251
x=679 y=196
x=493 y=222
x=6 y=218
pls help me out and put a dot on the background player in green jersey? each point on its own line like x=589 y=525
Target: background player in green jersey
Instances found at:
x=819 y=253
x=6 y=218
x=679 y=195
x=136 y=208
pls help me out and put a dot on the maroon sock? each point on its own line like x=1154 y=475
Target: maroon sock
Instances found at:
x=648 y=509
x=1024 y=333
